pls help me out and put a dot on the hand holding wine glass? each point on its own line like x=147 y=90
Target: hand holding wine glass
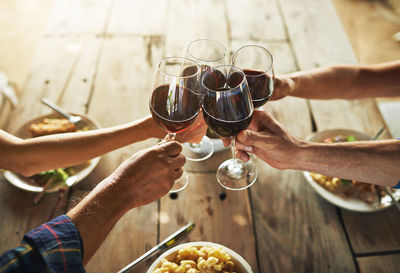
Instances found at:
x=174 y=104
x=227 y=110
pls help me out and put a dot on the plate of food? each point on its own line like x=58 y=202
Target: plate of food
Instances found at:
x=348 y=194
x=55 y=179
x=200 y=257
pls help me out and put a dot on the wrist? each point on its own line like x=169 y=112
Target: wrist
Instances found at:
x=153 y=129
x=303 y=154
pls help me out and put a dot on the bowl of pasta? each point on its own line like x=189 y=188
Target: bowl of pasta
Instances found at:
x=200 y=257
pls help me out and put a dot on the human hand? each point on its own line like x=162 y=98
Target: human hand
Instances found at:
x=146 y=175
x=195 y=132
x=282 y=86
x=268 y=140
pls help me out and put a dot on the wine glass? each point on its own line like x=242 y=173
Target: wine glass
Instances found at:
x=206 y=53
x=174 y=104
x=227 y=110
x=257 y=63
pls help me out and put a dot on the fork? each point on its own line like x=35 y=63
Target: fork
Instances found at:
x=76 y=120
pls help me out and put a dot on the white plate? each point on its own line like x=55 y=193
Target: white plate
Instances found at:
x=81 y=171
x=241 y=266
x=349 y=203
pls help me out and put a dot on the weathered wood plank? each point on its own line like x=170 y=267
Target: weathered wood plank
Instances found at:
x=319 y=40
x=379 y=264
x=191 y=20
x=121 y=93
x=138 y=17
x=290 y=217
x=219 y=221
x=48 y=78
x=255 y=20
x=19 y=215
x=78 y=17
x=281 y=52
x=316 y=33
x=377 y=232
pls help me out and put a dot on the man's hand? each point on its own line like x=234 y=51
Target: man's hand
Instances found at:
x=282 y=87
x=267 y=139
x=147 y=175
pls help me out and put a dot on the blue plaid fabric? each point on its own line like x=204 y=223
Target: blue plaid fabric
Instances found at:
x=55 y=246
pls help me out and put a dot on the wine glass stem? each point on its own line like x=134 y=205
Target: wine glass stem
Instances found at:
x=233 y=148
x=171 y=136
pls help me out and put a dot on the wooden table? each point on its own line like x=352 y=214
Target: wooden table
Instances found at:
x=98 y=57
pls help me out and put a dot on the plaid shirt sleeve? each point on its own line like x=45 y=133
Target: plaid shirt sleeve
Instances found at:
x=55 y=246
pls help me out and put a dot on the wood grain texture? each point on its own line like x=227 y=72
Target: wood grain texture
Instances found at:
x=190 y=20
x=121 y=93
x=296 y=230
x=50 y=74
x=316 y=33
x=255 y=20
x=138 y=17
x=19 y=215
x=219 y=221
x=78 y=17
x=283 y=61
x=319 y=40
x=379 y=264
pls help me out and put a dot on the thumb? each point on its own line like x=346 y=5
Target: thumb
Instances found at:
x=251 y=138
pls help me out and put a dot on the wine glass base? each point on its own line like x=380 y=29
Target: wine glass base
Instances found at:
x=198 y=152
x=237 y=176
x=180 y=183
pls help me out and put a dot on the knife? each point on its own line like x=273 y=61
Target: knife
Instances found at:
x=164 y=245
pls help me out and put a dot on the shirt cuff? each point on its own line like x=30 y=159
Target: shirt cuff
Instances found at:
x=59 y=243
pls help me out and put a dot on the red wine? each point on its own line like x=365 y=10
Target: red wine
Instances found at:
x=174 y=109
x=227 y=114
x=261 y=86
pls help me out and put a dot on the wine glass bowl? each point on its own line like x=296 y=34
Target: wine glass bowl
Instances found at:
x=227 y=110
x=206 y=53
x=175 y=101
x=257 y=63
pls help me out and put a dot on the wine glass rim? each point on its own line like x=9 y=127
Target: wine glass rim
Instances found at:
x=178 y=76
x=259 y=46
x=208 y=40
x=237 y=69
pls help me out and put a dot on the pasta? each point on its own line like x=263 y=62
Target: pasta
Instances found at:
x=198 y=260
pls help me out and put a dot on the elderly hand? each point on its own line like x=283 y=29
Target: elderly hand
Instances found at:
x=147 y=175
x=267 y=139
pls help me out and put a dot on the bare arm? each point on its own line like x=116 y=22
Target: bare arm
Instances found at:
x=375 y=162
x=141 y=179
x=30 y=156
x=342 y=82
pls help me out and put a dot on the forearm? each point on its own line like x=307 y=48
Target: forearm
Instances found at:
x=347 y=82
x=95 y=216
x=33 y=155
x=375 y=162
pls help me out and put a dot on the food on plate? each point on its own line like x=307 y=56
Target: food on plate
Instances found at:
x=198 y=259
x=57 y=176
x=51 y=126
x=348 y=188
